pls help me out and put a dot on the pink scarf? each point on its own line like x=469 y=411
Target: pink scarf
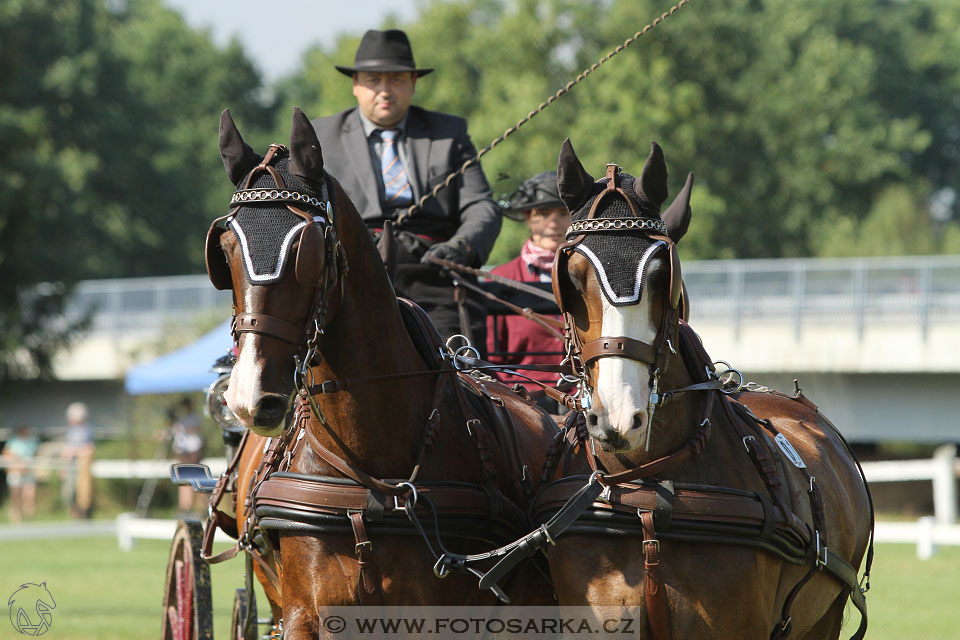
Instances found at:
x=537 y=257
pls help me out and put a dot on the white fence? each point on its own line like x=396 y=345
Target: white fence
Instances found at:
x=129 y=527
x=129 y=469
x=928 y=531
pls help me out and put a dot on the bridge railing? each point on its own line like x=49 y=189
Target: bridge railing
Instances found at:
x=853 y=291
x=145 y=305
x=858 y=291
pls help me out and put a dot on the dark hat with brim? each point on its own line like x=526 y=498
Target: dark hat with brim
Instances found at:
x=383 y=51
x=538 y=192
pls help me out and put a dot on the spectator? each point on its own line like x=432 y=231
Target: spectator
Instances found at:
x=387 y=154
x=78 y=453
x=537 y=202
x=18 y=453
x=187 y=443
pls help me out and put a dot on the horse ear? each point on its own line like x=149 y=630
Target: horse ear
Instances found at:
x=238 y=158
x=306 y=159
x=387 y=247
x=677 y=215
x=652 y=185
x=573 y=182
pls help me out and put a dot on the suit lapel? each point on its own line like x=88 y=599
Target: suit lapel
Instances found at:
x=357 y=149
x=418 y=146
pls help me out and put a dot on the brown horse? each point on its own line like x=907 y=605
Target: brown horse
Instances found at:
x=751 y=541
x=347 y=393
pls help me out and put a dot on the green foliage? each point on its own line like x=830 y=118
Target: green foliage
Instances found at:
x=108 y=119
x=795 y=116
x=512 y=236
x=897 y=224
x=815 y=128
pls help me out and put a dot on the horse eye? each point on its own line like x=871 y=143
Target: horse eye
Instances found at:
x=576 y=283
x=657 y=278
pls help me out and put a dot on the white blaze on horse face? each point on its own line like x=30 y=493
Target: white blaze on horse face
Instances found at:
x=622 y=388
x=244 y=388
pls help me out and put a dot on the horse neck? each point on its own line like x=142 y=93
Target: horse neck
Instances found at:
x=679 y=422
x=366 y=337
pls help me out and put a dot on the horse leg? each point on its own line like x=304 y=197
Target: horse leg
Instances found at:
x=314 y=577
x=269 y=589
x=299 y=622
x=530 y=586
x=828 y=626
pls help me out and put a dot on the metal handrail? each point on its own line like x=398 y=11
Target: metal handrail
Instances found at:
x=921 y=290
x=855 y=291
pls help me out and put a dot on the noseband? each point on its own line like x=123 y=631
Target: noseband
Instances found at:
x=319 y=262
x=656 y=354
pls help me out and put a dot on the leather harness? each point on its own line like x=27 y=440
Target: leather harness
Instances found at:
x=280 y=500
x=674 y=511
x=606 y=503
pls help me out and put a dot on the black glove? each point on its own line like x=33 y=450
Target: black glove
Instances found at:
x=455 y=250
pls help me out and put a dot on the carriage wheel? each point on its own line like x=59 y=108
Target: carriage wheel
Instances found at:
x=187 y=610
x=240 y=616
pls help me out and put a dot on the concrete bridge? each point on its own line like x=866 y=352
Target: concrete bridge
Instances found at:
x=875 y=341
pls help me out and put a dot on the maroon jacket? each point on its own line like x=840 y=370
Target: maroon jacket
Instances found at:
x=517 y=334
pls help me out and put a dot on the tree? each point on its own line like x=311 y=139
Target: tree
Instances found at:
x=108 y=119
x=805 y=121
x=794 y=115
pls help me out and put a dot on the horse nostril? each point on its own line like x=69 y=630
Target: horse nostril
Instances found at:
x=593 y=419
x=639 y=419
x=270 y=410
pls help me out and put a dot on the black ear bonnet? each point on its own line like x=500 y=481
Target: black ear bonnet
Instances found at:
x=619 y=259
x=267 y=228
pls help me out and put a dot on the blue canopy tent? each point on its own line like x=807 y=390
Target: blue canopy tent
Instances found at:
x=186 y=369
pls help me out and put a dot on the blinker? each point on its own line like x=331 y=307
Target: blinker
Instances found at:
x=218 y=269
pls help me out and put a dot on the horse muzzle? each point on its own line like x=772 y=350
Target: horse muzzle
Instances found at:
x=617 y=431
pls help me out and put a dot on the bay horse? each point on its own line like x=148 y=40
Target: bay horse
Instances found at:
x=747 y=514
x=358 y=421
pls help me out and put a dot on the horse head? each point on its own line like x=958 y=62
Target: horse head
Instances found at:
x=279 y=250
x=617 y=280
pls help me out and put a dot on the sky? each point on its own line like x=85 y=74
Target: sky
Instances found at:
x=277 y=32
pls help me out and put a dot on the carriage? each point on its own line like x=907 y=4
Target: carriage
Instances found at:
x=376 y=465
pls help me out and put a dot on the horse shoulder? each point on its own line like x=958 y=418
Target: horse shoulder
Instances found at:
x=826 y=458
x=250 y=457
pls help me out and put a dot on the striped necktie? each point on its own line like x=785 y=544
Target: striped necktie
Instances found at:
x=396 y=187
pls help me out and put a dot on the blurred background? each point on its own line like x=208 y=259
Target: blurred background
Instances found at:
x=825 y=243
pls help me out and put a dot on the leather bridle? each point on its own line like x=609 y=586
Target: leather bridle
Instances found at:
x=655 y=354
x=319 y=263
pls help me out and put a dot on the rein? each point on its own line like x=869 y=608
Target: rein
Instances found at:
x=543 y=105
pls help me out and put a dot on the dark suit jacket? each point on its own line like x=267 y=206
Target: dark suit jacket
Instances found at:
x=436 y=145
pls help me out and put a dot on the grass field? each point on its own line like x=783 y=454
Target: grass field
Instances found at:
x=103 y=593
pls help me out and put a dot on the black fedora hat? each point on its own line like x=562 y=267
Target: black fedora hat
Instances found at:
x=383 y=51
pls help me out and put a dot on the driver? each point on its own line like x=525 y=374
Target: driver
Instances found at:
x=386 y=154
